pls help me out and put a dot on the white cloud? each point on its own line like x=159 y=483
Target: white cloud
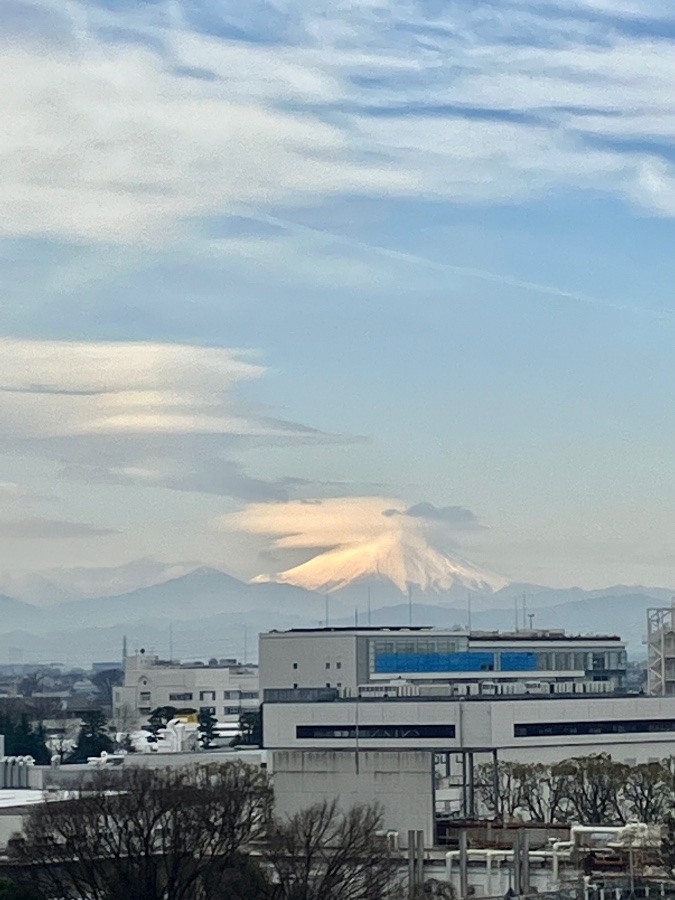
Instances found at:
x=112 y=139
x=107 y=141
x=155 y=414
x=341 y=521
x=61 y=388
x=304 y=525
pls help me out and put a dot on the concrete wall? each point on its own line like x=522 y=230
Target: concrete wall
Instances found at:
x=482 y=724
x=401 y=782
x=316 y=656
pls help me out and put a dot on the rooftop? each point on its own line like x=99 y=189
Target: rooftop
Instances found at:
x=525 y=635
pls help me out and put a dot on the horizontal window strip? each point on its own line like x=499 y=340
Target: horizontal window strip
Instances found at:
x=381 y=732
x=570 y=729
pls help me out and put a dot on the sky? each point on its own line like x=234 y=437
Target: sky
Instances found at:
x=285 y=253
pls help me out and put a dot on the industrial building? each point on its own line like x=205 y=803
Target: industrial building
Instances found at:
x=225 y=688
x=349 y=660
x=377 y=713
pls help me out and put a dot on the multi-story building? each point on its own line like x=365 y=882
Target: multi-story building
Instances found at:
x=225 y=689
x=375 y=714
x=372 y=660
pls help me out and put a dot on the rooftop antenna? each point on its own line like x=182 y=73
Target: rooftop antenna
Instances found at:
x=524 y=610
x=356 y=617
x=124 y=649
x=530 y=616
x=410 y=605
x=516 y=610
x=370 y=618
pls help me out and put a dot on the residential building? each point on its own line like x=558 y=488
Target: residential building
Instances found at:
x=225 y=688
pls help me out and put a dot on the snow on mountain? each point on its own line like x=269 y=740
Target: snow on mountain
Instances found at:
x=404 y=559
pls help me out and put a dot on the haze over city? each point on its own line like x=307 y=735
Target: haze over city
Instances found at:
x=281 y=279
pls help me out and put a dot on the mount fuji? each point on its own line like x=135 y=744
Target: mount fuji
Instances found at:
x=392 y=563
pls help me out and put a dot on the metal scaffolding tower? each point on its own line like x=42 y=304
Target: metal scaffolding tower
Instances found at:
x=661 y=651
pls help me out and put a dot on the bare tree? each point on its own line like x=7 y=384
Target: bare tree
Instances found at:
x=322 y=853
x=591 y=788
x=145 y=834
x=528 y=791
x=647 y=792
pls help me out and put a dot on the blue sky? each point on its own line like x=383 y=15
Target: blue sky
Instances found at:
x=420 y=251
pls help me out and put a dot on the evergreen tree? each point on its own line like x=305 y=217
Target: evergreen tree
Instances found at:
x=250 y=727
x=24 y=739
x=160 y=716
x=92 y=740
x=207 y=727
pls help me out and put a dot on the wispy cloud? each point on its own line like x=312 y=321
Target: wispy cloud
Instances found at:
x=341 y=521
x=126 y=125
x=35 y=528
x=140 y=413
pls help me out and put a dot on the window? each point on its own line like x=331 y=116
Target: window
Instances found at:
x=231 y=710
x=231 y=695
x=145 y=697
x=295 y=665
x=181 y=697
x=465 y=661
x=249 y=695
x=383 y=732
x=338 y=665
x=210 y=710
x=207 y=695
x=328 y=684
x=566 y=729
x=295 y=685
x=328 y=665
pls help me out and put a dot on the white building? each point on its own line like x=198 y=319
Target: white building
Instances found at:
x=632 y=729
x=225 y=690
x=379 y=713
x=349 y=659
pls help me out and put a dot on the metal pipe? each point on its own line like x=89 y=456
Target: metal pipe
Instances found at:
x=463 y=865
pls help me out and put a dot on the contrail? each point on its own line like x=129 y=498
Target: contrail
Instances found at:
x=481 y=274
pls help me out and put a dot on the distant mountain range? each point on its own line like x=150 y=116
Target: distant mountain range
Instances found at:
x=206 y=612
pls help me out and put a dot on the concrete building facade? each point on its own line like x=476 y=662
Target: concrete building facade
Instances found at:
x=351 y=659
x=632 y=729
x=226 y=689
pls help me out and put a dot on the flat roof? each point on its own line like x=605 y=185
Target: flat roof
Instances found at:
x=534 y=635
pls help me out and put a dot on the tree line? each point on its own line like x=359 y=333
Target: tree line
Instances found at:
x=590 y=790
x=26 y=735
x=201 y=833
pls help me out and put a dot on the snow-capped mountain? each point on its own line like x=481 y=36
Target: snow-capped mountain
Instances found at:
x=402 y=559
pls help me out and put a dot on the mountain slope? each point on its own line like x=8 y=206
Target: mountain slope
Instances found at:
x=403 y=560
